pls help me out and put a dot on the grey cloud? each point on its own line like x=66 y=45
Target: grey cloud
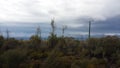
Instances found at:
x=43 y=10
x=108 y=26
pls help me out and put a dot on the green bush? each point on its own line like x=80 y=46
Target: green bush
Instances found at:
x=12 y=58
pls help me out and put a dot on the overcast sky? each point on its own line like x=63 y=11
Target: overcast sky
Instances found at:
x=73 y=13
x=62 y=10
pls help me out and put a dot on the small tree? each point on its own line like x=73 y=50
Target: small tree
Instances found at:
x=53 y=27
x=38 y=32
x=52 y=38
x=35 y=40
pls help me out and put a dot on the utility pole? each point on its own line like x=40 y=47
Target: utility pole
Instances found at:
x=90 y=23
x=89 y=30
x=0 y=31
x=7 y=32
x=63 y=30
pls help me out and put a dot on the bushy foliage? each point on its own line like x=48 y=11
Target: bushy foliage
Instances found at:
x=35 y=41
x=12 y=58
x=52 y=40
x=59 y=52
x=1 y=40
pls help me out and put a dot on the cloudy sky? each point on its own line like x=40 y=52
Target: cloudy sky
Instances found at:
x=73 y=13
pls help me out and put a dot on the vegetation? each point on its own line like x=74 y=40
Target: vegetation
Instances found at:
x=60 y=52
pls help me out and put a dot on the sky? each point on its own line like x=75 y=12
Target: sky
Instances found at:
x=15 y=15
